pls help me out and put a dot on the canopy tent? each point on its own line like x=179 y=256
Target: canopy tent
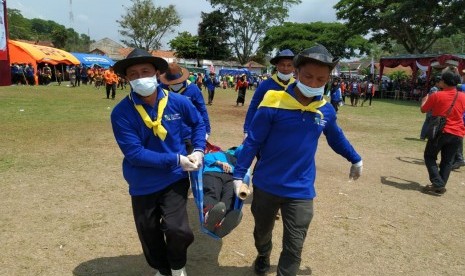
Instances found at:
x=89 y=60
x=22 y=52
x=423 y=62
x=234 y=72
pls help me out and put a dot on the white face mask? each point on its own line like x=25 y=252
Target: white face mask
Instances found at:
x=309 y=92
x=144 y=86
x=285 y=77
x=177 y=87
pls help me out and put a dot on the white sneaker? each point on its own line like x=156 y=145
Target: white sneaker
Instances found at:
x=179 y=272
x=159 y=274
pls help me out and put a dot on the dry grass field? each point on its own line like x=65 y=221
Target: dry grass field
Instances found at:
x=65 y=209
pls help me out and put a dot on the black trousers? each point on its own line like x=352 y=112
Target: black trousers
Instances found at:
x=296 y=215
x=163 y=227
x=111 y=87
x=447 y=144
x=211 y=95
x=368 y=96
x=218 y=187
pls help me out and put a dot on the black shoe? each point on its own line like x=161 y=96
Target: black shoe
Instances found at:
x=214 y=216
x=230 y=221
x=262 y=264
x=457 y=165
x=432 y=190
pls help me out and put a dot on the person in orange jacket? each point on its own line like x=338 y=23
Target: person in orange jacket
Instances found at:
x=111 y=80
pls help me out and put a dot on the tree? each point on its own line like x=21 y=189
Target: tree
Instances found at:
x=18 y=26
x=249 y=20
x=214 y=35
x=299 y=36
x=415 y=24
x=186 y=46
x=145 y=25
x=38 y=29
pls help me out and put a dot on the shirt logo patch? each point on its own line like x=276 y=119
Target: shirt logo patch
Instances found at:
x=320 y=122
x=172 y=117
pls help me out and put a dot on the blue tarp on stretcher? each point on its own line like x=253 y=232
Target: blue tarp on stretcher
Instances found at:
x=89 y=60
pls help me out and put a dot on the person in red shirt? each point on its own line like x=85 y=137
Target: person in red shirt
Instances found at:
x=241 y=86
x=452 y=135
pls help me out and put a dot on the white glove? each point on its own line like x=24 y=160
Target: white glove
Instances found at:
x=237 y=186
x=356 y=170
x=206 y=136
x=196 y=157
x=186 y=164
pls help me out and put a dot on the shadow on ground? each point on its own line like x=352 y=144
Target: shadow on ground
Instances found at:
x=411 y=160
x=400 y=183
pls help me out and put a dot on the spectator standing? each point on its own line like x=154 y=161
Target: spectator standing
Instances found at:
x=448 y=142
x=111 y=80
x=241 y=89
x=211 y=84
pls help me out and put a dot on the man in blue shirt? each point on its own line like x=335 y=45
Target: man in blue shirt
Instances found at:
x=147 y=125
x=175 y=79
x=285 y=130
x=279 y=81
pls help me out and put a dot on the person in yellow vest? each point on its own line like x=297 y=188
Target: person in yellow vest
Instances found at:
x=285 y=130
x=111 y=80
x=148 y=126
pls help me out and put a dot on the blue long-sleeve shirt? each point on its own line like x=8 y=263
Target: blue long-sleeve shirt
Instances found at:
x=211 y=83
x=268 y=84
x=210 y=159
x=151 y=164
x=287 y=141
x=193 y=93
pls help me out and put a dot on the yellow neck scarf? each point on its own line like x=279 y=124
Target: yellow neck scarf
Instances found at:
x=156 y=125
x=282 y=99
x=278 y=81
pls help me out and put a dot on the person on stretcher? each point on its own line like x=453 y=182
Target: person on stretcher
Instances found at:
x=219 y=192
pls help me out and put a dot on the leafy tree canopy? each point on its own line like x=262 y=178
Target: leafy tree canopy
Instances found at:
x=36 y=29
x=144 y=25
x=213 y=35
x=186 y=46
x=299 y=36
x=414 y=24
x=249 y=20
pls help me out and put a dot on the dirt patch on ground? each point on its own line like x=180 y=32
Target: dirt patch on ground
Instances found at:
x=65 y=209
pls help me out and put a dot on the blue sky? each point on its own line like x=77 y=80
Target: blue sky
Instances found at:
x=97 y=18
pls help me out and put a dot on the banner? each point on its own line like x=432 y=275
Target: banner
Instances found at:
x=3 y=40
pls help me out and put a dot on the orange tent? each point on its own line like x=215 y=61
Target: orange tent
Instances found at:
x=21 y=52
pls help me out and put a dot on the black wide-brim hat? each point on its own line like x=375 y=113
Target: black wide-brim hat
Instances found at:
x=317 y=53
x=284 y=54
x=139 y=56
